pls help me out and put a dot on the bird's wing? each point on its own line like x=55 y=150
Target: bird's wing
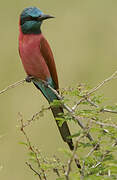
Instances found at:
x=49 y=59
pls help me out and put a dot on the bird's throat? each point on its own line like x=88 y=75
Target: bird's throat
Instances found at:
x=31 y=28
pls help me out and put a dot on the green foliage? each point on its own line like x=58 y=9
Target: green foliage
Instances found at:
x=56 y=103
x=97 y=99
x=98 y=157
x=114 y=107
x=88 y=113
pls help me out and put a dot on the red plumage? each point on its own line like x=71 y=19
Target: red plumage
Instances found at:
x=37 y=57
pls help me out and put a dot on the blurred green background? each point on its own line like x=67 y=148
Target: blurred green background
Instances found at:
x=83 y=38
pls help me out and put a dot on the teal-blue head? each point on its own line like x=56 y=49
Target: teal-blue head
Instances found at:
x=31 y=19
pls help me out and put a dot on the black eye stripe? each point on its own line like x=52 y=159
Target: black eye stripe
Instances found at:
x=29 y=18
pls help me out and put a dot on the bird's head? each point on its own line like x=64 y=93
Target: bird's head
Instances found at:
x=31 y=19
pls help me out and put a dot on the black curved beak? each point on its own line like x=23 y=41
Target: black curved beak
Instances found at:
x=44 y=17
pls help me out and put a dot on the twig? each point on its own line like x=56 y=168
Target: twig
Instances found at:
x=115 y=143
x=109 y=173
x=103 y=124
x=83 y=170
x=30 y=166
x=102 y=83
x=101 y=110
x=94 y=166
x=108 y=110
x=113 y=76
x=92 y=103
x=83 y=127
x=79 y=102
x=92 y=150
x=63 y=168
x=54 y=91
x=56 y=171
x=31 y=148
x=104 y=155
x=34 y=116
x=13 y=86
x=72 y=158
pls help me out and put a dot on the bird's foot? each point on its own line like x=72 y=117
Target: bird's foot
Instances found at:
x=29 y=79
x=46 y=83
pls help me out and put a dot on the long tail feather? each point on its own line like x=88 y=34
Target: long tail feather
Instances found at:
x=64 y=129
x=50 y=96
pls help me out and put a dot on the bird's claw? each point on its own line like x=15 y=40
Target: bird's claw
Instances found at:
x=46 y=83
x=28 y=79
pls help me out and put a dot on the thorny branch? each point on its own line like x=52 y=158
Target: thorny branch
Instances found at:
x=104 y=155
x=32 y=149
x=85 y=97
x=103 y=124
x=72 y=158
x=92 y=150
x=70 y=110
x=113 y=76
x=30 y=166
x=36 y=152
x=13 y=86
x=59 y=97
x=101 y=110
x=56 y=171
x=34 y=116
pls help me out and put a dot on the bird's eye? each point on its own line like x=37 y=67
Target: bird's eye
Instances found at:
x=29 y=18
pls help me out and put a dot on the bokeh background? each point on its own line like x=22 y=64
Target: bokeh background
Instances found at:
x=83 y=38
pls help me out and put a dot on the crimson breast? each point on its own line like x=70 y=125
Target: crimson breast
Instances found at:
x=31 y=56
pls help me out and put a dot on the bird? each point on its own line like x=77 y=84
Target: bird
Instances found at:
x=38 y=61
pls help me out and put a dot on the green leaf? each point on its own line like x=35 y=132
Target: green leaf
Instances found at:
x=97 y=99
x=95 y=129
x=56 y=103
x=114 y=107
x=89 y=113
x=74 y=92
x=60 y=121
x=75 y=135
x=23 y=143
x=46 y=166
x=84 y=145
x=32 y=154
x=108 y=157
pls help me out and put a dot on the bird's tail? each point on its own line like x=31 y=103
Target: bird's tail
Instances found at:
x=50 y=96
x=64 y=129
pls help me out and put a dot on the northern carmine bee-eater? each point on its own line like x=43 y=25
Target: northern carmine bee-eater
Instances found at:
x=38 y=61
